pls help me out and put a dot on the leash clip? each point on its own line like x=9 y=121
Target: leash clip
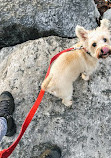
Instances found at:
x=81 y=47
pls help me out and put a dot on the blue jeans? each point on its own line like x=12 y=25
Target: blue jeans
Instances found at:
x=3 y=127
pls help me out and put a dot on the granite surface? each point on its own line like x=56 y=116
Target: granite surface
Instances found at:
x=81 y=131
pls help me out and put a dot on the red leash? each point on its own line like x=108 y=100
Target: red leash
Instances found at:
x=6 y=152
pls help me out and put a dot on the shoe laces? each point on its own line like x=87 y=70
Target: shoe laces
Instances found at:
x=4 y=108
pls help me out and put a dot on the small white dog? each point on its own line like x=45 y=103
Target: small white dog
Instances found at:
x=68 y=66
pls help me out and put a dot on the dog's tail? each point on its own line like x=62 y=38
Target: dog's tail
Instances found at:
x=46 y=82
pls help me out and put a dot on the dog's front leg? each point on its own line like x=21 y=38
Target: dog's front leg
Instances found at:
x=67 y=102
x=85 y=76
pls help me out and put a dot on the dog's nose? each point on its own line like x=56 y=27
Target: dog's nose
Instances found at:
x=104 y=50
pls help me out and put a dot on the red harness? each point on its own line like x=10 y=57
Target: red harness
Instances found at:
x=6 y=152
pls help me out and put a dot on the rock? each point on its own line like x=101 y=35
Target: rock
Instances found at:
x=107 y=15
x=82 y=131
x=103 y=5
x=24 y=20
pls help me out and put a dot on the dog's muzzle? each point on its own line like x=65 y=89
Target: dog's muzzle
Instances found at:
x=104 y=52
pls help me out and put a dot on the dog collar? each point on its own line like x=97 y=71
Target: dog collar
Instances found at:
x=87 y=51
x=81 y=47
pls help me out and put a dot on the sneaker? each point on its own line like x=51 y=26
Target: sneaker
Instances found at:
x=53 y=152
x=7 y=107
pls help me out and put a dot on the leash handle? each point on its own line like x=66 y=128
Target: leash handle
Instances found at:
x=7 y=152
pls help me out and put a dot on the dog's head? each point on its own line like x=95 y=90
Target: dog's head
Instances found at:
x=96 y=41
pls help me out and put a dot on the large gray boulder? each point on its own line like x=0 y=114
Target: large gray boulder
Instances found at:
x=82 y=131
x=24 y=20
x=107 y=15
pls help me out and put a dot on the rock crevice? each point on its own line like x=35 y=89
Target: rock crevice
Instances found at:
x=26 y=20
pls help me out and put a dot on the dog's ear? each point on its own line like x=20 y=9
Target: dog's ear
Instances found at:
x=81 y=33
x=105 y=23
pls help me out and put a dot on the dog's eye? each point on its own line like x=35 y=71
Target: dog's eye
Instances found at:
x=94 y=44
x=104 y=39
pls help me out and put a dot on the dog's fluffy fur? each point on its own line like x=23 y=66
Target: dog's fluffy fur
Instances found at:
x=70 y=65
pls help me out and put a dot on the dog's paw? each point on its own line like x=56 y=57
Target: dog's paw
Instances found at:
x=67 y=103
x=85 y=77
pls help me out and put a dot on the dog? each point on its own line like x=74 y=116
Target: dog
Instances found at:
x=94 y=44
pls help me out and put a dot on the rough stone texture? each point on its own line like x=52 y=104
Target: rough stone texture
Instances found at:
x=103 y=6
x=107 y=15
x=82 y=131
x=22 y=20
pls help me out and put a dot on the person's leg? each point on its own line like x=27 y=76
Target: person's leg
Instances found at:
x=3 y=127
x=7 y=125
x=53 y=152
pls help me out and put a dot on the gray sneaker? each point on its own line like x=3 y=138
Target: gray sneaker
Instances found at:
x=7 y=107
